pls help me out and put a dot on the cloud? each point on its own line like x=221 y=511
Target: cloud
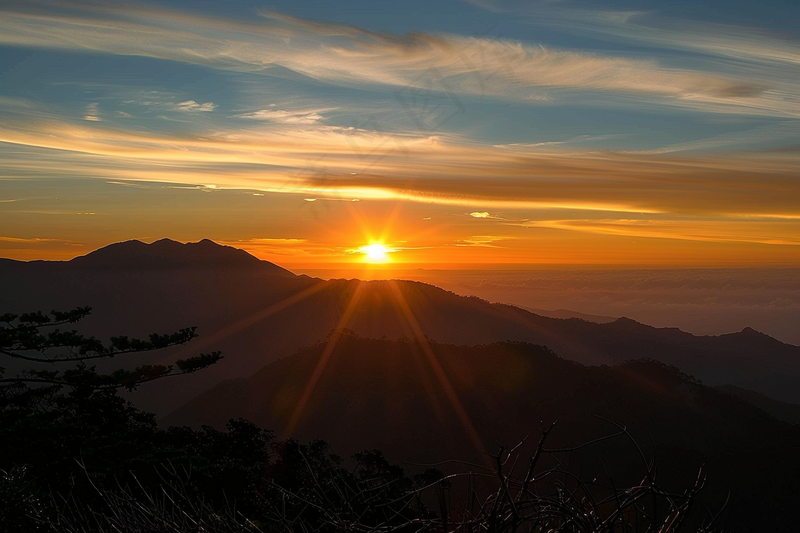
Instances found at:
x=655 y=29
x=28 y=240
x=485 y=215
x=481 y=241
x=354 y=57
x=92 y=112
x=35 y=241
x=311 y=116
x=447 y=172
x=739 y=42
x=191 y=106
x=775 y=233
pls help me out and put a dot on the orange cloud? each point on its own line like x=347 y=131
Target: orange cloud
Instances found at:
x=320 y=161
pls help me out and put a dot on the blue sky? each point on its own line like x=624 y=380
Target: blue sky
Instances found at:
x=676 y=123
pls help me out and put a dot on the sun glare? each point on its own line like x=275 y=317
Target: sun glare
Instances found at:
x=375 y=253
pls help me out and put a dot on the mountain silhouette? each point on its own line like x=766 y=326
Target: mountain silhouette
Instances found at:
x=425 y=374
x=398 y=396
x=567 y=313
x=169 y=254
x=391 y=393
x=257 y=312
x=788 y=412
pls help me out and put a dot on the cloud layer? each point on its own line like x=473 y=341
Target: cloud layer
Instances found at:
x=351 y=56
x=498 y=145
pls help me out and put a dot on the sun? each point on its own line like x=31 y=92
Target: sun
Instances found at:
x=375 y=253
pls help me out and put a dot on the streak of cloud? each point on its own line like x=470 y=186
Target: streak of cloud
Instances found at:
x=351 y=56
x=92 y=112
x=191 y=106
x=449 y=173
x=481 y=241
x=309 y=116
x=775 y=233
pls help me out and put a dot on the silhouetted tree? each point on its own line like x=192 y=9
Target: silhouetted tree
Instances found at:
x=27 y=337
x=77 y=457
x=61 y=411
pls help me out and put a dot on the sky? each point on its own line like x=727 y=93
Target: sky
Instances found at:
x=453 y=133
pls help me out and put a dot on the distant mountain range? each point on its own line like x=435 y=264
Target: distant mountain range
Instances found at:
x=425 y=402
x=567 y=313
x=257 y=312
x=426 y=375
x=402 y=395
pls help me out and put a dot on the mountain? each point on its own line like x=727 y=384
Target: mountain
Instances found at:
x=566 y=313
x=256 y=312
x=169 y=254
x=788 y=412
x=369 y=391
x=164 y=254
x=426 y=402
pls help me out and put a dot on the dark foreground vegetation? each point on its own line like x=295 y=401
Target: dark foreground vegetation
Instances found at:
x=99 y=465
x=77 y=457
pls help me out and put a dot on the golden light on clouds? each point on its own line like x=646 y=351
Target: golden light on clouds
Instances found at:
x=283 y=167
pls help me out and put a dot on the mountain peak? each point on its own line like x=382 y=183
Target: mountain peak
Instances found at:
x=164 y=242
x=171 y=254
x=625 y=321
x=751 y=333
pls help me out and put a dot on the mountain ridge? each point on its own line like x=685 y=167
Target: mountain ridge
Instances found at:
x=168 y=253
x=427 y=402
x=258 y=314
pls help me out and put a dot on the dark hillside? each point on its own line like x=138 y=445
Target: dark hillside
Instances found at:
x=256 y=312
x=390 y=395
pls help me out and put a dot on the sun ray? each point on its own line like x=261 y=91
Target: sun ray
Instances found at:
x=323 y=361
x=389 y=223
x=524 y=319
x=439 y=372
x=212 y=339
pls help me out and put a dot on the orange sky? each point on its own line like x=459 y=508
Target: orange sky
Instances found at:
x=421 y=235
x=303 y=140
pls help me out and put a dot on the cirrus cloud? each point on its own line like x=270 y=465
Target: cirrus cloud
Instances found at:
x=351 y=56
x=191 y=106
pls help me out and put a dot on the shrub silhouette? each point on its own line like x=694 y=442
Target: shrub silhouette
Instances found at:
x=77 y=457
x=62 y=409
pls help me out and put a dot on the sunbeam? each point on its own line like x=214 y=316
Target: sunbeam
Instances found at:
x=217 y=336
x=440 y=373
x=297 y=414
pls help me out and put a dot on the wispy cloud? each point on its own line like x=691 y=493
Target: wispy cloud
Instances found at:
x=191 y=106
x=351 y=56
x=716 y=39
x=308 y=116
x=92 y=112
x=27 y=240
x=35 y=241
x=447 y=172
x=649 y=27
x=481 y=241
x=724 y=187
x=776 y=233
